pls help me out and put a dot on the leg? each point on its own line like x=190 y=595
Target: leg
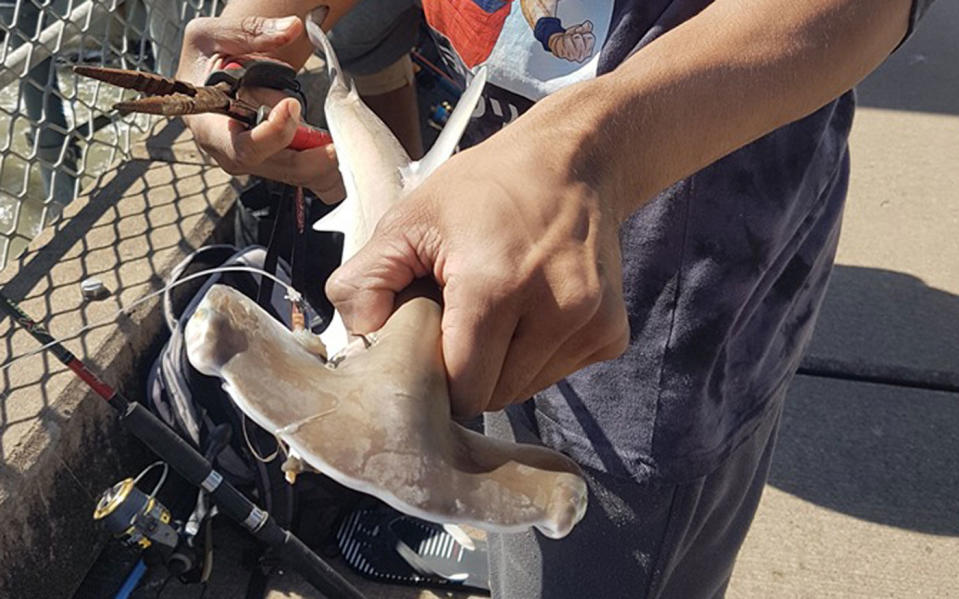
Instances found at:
x=391 y=94
x=373 y=42
x=637 y=540
x=716 y=513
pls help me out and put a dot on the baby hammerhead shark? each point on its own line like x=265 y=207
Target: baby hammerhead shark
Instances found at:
x=377 y=419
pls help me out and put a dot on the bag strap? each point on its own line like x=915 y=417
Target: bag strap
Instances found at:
x=208 y=256
x=265 y=292
x=291 y=215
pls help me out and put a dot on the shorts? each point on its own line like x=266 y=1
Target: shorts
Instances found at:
x=376 y=34
x=637 y=540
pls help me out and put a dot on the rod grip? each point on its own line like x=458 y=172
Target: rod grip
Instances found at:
x=192 y=466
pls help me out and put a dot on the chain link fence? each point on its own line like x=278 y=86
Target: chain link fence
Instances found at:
x=57 y=130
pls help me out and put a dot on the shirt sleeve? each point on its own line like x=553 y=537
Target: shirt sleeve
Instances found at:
x=919 y=8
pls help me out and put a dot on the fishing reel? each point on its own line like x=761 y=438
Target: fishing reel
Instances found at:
x=439 y=114
x=140 y=520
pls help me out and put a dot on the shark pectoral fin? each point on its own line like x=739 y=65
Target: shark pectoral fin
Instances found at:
x=446 y=143
x=335 y=220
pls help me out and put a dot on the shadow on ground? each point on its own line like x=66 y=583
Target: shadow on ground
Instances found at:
x=881 y=452
x=921 y=75
x=887 y=321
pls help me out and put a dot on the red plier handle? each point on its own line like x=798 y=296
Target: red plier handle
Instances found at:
x=308 y=136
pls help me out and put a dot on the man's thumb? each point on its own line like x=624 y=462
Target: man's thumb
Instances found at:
x=242 y=35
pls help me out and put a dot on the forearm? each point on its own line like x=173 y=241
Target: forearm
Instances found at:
x=736 y=71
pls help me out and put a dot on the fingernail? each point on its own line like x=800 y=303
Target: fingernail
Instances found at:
x=281 y=112
x=276 y=26
x=331 y=152
x=293 y=109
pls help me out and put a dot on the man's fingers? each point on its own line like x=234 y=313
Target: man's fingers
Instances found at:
x=326 y=182
x=364 y=288
x=605 y=337
x=315 y=169
x=363 y=309
x=251 y=147
x=476 y=337
x=534 y=344
x=544 y=349
x=262 y=151
x=234 y=36
x=558 y=369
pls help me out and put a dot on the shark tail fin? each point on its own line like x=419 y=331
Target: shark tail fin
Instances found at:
x=319 y=40
x=452 y=132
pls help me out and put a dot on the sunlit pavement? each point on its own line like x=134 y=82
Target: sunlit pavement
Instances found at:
x=863 y=500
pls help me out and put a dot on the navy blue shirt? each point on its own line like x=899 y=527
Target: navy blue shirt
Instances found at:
x=724 y=272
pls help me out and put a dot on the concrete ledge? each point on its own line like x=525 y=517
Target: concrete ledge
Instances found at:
x=60 y=445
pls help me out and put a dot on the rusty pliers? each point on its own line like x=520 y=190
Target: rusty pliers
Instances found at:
x=173 y=97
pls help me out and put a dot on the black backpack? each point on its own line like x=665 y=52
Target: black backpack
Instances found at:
x=197 y=407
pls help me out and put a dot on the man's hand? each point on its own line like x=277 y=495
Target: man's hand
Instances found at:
x=262 y=150
x=528 y=261
x=521 y=230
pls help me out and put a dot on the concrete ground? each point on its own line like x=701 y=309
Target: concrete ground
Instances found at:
x=863 y=500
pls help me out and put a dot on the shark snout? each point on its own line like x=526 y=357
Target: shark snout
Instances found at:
x=212 y=336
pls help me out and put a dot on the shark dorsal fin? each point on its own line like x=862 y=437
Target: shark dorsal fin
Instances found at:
x=450 y=136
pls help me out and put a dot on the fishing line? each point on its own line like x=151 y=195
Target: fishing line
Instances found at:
x=255 y=451
x=291 y=294
x=156 y=489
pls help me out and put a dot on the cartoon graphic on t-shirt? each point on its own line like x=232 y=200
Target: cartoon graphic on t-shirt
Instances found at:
x=474 y=26
x=529 y=48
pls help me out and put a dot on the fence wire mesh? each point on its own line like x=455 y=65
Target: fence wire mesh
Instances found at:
x=57 y=130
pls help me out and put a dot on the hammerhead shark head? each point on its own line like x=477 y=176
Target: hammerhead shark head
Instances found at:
x=377 y=418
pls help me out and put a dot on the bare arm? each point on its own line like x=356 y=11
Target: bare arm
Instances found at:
x=733 y=73
x=522 y=230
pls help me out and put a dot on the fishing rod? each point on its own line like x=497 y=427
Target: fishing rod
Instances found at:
x=193 y=467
